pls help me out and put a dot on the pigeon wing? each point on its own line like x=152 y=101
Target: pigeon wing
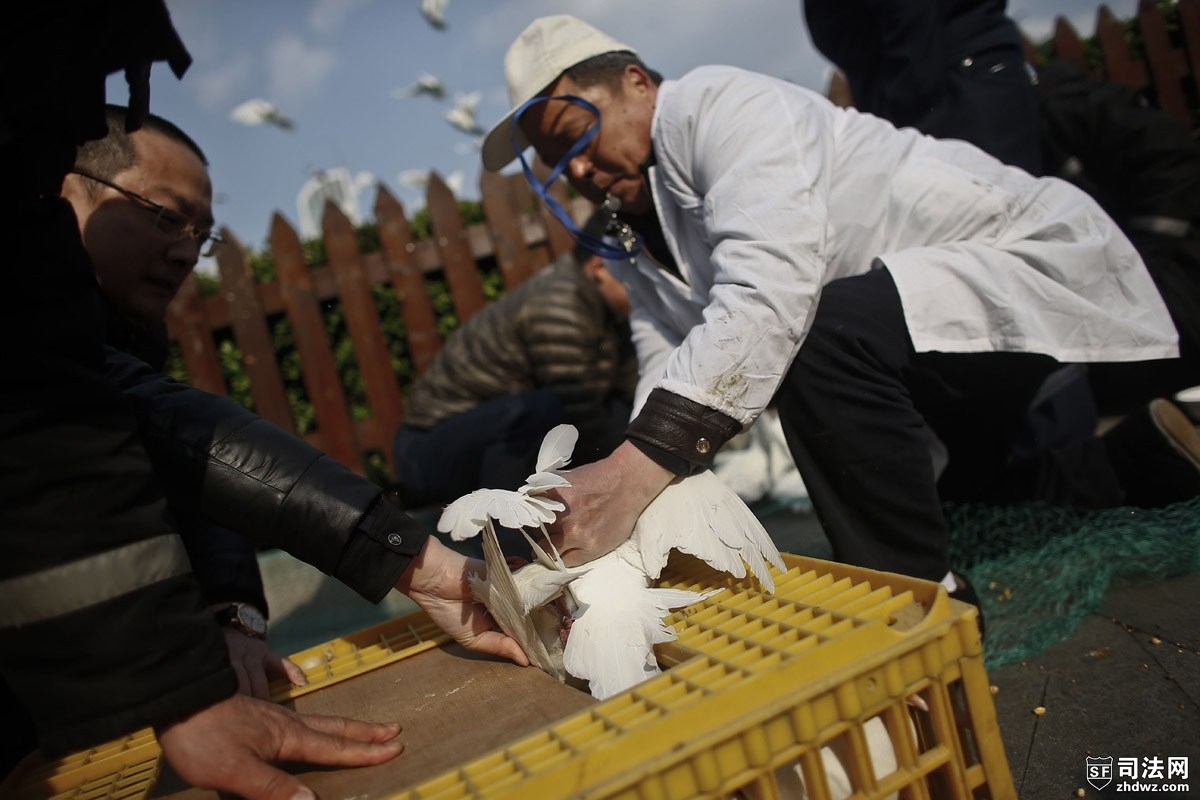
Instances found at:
x=503 y=598
x=702 y=516
x=617 y=624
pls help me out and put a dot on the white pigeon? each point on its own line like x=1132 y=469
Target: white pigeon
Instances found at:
x=617 y=616
x=426 y=84
x=462 y=116
x=620 y=618
x=524 y=603
x=434 y=12
x=261 y=112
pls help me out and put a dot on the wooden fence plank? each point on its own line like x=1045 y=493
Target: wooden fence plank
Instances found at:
x=504 y=221
x=1167 y=64
x=334 y=435
x=1119 y=65
x=1189 y=22
x=522 y=197
x=366 y=332
x=521 y=235
x=407 y=279
x=839 y=90
x=187 y=324
x=462 y=274
x=558 y=237
x=1067 y=43
x=249 y=324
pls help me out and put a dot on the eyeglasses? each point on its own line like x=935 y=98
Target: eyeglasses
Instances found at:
x=629 y=242
x=166 y=219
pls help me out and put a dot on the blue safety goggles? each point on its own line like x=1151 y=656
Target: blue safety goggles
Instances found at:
x=630 y=243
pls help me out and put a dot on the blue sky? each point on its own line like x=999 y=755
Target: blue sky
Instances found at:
x=331 y=65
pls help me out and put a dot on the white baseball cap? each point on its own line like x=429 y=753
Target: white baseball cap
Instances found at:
x=544 y=51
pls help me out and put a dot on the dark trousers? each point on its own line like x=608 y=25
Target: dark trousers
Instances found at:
x=858 y=406
x=493 y=446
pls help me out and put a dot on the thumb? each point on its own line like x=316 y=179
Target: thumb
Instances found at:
x=498 y=644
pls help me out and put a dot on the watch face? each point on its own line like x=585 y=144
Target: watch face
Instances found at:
x=252 y=619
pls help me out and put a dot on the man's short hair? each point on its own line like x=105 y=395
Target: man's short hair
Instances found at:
x=606 y=69
x=113 y=154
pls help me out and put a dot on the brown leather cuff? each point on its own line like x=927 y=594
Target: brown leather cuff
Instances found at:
x=686 y=433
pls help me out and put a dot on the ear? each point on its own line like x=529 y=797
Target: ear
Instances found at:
x=75 y=192
x=71 y=184
x=637 y=78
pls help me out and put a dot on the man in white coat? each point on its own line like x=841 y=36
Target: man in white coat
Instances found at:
x=895 y=295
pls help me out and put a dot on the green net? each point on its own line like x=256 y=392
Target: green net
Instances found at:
x=1039 y=570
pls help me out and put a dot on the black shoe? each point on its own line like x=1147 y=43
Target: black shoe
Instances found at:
x=965 y=592
x=1155 y=452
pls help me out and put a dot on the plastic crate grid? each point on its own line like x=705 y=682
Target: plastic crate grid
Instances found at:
x=757 y=686
x=759 y=683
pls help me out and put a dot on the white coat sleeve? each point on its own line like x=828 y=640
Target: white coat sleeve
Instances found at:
x=746 y=168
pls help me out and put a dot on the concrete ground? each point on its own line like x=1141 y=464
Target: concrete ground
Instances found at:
x=1125 y=685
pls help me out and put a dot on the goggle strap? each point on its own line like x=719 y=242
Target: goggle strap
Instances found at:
x=542 y=189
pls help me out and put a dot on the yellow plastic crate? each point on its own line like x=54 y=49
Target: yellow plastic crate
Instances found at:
x=759 y=690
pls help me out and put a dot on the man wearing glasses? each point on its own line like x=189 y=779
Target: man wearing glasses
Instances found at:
x=143 y=250
x=103 y=628
x=144 y=203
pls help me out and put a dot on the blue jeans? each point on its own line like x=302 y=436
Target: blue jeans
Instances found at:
x=494 y=446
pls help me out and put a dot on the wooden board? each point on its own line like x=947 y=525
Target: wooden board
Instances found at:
x=454 y=706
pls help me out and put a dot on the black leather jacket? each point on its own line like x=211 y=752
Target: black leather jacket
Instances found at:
x=225 y=563
x=103 y=630
x=255 y=478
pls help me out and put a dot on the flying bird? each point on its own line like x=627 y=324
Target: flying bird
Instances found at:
x=462 y=116
x=261 y=112
x=337 y=185
x=616 y=617
x=434 y=12
x=426 y=84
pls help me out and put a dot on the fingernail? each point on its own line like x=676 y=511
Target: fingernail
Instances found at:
x=304 y=793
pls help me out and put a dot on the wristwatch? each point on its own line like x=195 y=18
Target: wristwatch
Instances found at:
x=245 y=617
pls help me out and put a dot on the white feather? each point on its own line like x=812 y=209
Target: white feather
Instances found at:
x=618 y=622
x=502 y=596
x=467 y=515
x=556 y=449
x=537 y=584
x=700 y=515
x=618 y=617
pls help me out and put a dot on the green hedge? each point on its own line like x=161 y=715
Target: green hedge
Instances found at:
x=263 y=268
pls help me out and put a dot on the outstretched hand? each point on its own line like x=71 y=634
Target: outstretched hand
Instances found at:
x=438 y=581
x=254 y=662
x=603 y=503
x=229 y=747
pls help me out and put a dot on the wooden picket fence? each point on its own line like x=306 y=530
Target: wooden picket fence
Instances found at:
x=1166 y=67
x=519 y=234
x=520 y=240
x=1166 y=71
